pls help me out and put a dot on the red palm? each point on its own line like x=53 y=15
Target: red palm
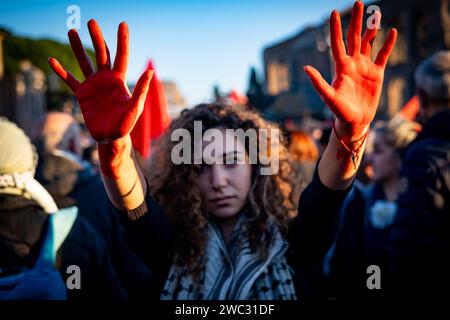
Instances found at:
x=108 y=108
x=354 y=94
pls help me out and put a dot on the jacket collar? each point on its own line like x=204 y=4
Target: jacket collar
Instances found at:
x=438 y=127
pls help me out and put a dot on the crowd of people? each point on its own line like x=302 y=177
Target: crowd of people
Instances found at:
x=367 y=194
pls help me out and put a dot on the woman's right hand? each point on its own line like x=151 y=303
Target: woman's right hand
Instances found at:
x=108 y=108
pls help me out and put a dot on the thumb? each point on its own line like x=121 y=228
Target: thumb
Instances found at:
x=322 y=87
x=140 y=91
x=65 y=75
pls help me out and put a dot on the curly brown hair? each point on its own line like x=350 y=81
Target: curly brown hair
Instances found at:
x=174 y=188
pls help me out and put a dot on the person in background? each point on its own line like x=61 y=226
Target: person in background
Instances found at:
x=304 y=153
x=90 y=154
x=73 y=182
x=368 y=213
x=90 y=151
x=419 y=242
x=36 y=237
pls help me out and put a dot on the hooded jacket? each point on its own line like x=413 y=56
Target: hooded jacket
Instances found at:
x=419 y=241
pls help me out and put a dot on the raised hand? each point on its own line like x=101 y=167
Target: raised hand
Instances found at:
x=355 y=92
x=108 y=108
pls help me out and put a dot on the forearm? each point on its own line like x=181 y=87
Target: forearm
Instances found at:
x=337 y=168
x=122 y=177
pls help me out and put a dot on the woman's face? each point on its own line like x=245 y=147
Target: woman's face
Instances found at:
x=224 y=187
x=384 y=160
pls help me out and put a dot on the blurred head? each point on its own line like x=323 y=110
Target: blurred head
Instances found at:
x=391 y=140
x=17 y=153
x=18 y=160
x=217 y=190
x=58 y=130
x=303 y=148
x=432 y=78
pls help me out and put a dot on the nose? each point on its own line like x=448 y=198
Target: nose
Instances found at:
x=218 y=177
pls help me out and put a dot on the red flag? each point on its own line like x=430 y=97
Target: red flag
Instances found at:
x=411 y=109
x=237 y=98
x=154 y=119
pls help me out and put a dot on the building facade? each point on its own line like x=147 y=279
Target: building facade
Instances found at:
x=423 y=28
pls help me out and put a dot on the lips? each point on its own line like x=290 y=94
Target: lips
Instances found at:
x=221 y=200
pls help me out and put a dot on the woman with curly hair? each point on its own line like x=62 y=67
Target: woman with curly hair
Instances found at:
x=221 y=230
x=209 y=196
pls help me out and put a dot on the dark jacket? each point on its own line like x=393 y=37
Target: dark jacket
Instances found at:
x=72 y=182
x=358 y=245
x=310 y=235
x=23 y=226
x=419 y=243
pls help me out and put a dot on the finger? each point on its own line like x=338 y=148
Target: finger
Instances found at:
x=354 y=31
x=65 y=75
x=140 y=91
x=121 y=61
x=83 y=59
x=101 y=53
x=322 y=87
x=337 y=44
x=367 y=41
x=385 y=51
x=369 y=36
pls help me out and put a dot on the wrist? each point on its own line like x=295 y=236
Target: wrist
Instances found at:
x=113 y=156
x=351 y=134
x=352 y=140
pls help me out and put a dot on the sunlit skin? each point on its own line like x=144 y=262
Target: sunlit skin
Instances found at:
x=108 y=108
x=224 y=187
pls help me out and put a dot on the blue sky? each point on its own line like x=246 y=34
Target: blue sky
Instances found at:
x=196 y=43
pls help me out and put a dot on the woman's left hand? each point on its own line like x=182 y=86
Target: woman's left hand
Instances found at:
x=354 y=94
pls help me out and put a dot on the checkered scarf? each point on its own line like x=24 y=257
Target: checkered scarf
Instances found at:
x=234 y=272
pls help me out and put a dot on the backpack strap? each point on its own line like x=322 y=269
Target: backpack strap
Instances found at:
x=60 y=224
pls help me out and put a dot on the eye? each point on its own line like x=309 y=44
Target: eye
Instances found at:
x=232 y=161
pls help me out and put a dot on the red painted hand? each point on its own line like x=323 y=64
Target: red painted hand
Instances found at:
x=108 y=108
x=354 y=94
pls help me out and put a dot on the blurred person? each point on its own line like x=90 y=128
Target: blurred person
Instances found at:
x=38 y=242
x=303 y=150
x=216 y=231
x=90 y=154
x=89 y=147
x=420 y=248
x=367 y=215
x=73 y=181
